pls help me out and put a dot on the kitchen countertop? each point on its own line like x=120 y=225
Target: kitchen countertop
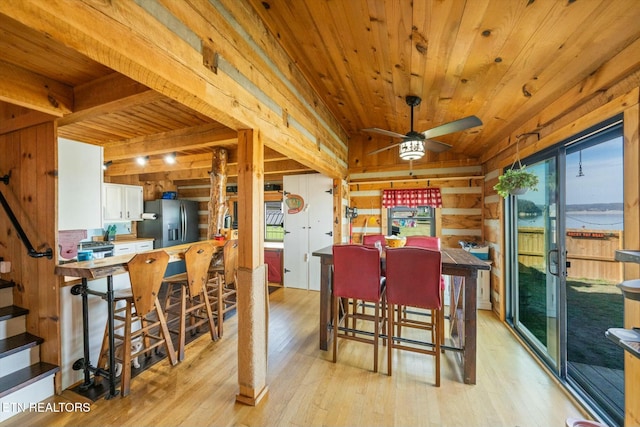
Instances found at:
x=125 y=240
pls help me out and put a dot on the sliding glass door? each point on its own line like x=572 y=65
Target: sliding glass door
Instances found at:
x=537 y=272
x=562 y=241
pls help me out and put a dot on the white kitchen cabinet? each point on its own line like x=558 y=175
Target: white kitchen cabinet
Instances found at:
x=133 y=202
x=484 y=289
x=112 y=202
x=122 y=202
x=144 y=246
x=80 y=178
x=121 y=281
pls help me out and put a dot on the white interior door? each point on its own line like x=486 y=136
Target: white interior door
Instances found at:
x=320 y=213
x=308 y=205
x=296 y=240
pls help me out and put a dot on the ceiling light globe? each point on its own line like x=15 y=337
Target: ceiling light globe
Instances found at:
x=412 y=149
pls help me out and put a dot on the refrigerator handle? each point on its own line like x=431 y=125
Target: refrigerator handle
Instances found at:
x=183 y=221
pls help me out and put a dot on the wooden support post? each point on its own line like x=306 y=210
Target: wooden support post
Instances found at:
x=252 y=295
x=217 y=199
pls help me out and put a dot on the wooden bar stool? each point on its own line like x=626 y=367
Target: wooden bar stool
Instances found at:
x=141 y=319
x=222 y=283
x=187 y=295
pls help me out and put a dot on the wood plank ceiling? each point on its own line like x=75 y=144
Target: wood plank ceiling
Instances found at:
x=501 y=60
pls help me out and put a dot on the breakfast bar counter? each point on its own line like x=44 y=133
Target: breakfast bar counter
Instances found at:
x=106 y=268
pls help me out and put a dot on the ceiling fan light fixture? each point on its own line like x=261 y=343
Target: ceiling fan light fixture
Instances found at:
x=412 y=149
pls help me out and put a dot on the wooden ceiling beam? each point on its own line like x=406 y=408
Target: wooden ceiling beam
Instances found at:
x=108 y=95
x=209 y=135
x=198 y=163
x=31 y=90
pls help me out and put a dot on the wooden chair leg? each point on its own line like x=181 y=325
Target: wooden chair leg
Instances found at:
x=212 y=327
x=103 y=358
x=171 y=353
x=437 y=316
x=335 y=327
x=220 y=307
x=390 y=341
x=125 y=379
x=182 y=329
x=376 y=336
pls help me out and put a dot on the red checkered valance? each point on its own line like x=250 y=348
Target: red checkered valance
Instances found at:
x=412 y=198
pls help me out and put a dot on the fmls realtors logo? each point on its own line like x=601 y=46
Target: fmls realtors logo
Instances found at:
x=14 y=407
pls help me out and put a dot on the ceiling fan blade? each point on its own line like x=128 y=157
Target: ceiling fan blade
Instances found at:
x=454 y=126
x=384 y=132
x=436 y=146
x=384 y=149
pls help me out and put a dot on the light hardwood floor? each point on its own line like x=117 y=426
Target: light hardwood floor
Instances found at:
x=307 y=389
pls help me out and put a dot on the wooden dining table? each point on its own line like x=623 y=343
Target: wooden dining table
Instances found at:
x=96 y=269
x=462 y=314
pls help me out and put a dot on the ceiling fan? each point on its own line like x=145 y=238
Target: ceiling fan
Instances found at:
x=414 y=144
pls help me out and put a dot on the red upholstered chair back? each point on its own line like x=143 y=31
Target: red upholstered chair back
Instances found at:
x=371 y=239
x=429 y=242
x=356 y=272
x=413 y=277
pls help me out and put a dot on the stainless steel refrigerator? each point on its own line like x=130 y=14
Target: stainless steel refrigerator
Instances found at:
x=176 y=223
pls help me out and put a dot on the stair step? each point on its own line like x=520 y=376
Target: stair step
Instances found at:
x=18 y=343
x=26 y=376
x=12 y=311
x=7 y=283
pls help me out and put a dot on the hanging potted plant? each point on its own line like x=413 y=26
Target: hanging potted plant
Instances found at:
x=516 y=182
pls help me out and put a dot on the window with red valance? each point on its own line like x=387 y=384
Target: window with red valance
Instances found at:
x=412 y=197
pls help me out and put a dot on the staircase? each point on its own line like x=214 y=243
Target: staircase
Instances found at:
x=24 y=379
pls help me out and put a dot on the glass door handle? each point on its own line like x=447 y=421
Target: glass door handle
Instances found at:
x=552 y=261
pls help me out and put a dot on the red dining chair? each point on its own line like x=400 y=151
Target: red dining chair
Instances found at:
x=430 y=242
x=371 y=239
x=413 y=280
x=356 y=276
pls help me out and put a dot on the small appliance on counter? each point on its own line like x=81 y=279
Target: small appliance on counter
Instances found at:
x=95 y=250
x=85 y=255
